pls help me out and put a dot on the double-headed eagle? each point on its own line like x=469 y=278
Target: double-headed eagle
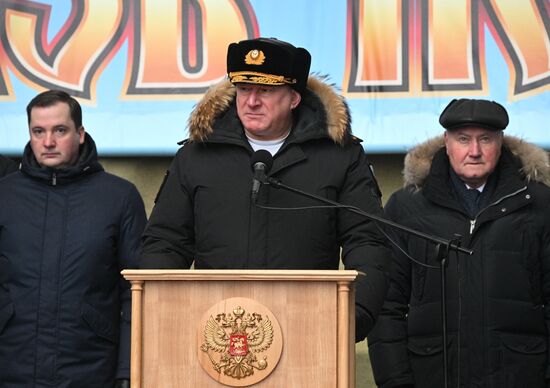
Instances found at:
x=238 y=337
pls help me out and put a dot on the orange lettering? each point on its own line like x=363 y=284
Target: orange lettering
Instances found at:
x=422 y=47
x=75 y=57
x=519 y=29
x=180 y=48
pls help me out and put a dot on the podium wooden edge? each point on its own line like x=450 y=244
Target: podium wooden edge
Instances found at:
x=136 y=333
x=241 y=274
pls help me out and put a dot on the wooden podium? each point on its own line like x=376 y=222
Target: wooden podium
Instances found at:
x=209 y=328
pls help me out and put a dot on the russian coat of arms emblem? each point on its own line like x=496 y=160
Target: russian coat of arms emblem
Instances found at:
x=238 y=344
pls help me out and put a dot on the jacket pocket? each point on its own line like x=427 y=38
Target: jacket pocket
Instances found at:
x=100 y=325
x=6 y=312
x=522 y=361
x=426 y=356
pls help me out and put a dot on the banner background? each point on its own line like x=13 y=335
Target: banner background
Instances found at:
x=151 y=124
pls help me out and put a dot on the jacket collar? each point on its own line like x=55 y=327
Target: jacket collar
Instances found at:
x=87 y=163
x=321 y=113
x=533 y=162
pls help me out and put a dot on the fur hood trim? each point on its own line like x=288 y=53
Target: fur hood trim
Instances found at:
x=219 y=97
x=535 y=161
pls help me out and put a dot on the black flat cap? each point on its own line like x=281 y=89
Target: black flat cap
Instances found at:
x=268 y=61
x=474 y=113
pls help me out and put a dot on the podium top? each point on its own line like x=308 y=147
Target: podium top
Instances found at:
x=241 y=274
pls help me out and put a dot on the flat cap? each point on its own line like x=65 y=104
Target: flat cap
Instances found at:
x=474 y=113
x=268 y=61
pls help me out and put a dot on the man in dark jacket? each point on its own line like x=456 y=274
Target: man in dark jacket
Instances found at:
x=67 y=229
x=204 y=212
x=498 y=299
x=7 y=166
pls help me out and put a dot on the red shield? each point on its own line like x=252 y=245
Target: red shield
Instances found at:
x=238 y=345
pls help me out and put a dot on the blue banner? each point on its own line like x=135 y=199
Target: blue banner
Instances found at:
x=139 y=67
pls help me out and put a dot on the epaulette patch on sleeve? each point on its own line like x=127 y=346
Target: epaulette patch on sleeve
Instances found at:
x=162 y=185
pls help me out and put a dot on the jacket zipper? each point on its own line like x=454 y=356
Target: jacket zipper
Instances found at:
x=472 y=225
x=473 y=222
x=54 y=179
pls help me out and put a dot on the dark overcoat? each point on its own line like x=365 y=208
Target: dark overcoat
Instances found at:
x=65 y=235
x=498 y=311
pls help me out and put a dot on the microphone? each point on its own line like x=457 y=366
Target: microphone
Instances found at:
x=261 y=163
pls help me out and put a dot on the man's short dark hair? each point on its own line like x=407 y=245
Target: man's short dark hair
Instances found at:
x=52 y=97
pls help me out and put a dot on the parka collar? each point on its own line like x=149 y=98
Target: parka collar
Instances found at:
x=321 y=113
x=87 y=163
x=535 y=163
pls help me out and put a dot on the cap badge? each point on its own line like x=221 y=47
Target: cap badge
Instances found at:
x=254 y=57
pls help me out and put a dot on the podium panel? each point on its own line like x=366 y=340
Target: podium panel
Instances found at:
x=283 y=328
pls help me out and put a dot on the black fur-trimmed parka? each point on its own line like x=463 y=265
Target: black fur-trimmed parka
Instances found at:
x=498 y=311
x=204 y=213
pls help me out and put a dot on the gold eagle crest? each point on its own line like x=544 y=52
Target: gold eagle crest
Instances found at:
x=237 y=337
x=254 y=57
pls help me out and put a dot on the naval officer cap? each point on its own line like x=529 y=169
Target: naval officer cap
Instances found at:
x=268 y=61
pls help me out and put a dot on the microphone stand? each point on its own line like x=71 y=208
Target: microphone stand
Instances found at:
x=443 y=247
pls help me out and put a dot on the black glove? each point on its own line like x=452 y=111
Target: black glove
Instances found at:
x=122 y=383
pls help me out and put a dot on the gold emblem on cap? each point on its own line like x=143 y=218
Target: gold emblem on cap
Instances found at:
x=254 y=57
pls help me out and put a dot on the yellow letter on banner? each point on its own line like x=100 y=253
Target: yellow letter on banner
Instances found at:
x=425 y=47
x=74 y=58
x=521 y=30
x=450 y=48
x=377 y=47
x=180 y=47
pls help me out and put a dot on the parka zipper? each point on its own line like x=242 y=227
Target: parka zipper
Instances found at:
x=54 y=179
x=472 y=225
x=473 y=222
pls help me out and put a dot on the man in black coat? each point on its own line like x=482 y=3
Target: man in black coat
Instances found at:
x=204 y=213
x=493 y=191
x=67 y=229
x=7 y=166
